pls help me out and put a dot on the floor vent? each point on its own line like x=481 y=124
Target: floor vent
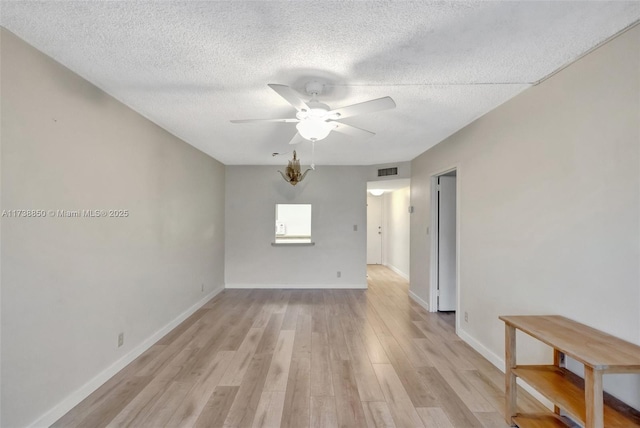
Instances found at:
x=387 y=171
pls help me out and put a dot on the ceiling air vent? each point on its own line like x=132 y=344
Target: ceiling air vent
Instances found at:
x=387 y=171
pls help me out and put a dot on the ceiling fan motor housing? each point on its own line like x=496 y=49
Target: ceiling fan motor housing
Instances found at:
x=314 y=88
x=316 y=109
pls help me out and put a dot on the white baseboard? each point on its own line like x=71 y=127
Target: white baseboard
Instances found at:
x=299 y=286
x=419 y=301
x=482 y=350
x=499 y=363
x=76 y=397
x=398 y=271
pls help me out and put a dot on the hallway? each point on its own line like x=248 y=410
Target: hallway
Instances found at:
x=298 y=358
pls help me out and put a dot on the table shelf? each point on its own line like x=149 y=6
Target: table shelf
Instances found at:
x=537 y=420
x=566 y=390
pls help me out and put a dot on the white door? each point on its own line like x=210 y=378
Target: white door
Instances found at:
x=374 y=230
x=447 y=244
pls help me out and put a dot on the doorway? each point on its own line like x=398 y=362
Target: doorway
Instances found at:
x=388 y=224
x=374 y=229
x=444 y=278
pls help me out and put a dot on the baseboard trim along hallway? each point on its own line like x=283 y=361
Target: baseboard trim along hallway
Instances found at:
x=87 y=389
x=298 y=286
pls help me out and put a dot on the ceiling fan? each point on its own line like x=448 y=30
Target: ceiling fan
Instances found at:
x=316 y=120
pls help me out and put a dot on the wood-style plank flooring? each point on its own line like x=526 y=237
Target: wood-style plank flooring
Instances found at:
x=306 y=358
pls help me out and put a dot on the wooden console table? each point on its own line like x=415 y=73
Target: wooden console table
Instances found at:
x=600 y=353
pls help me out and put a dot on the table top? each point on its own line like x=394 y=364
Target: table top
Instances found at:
x=591 y=347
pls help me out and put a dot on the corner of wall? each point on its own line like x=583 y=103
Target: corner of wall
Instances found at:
x=419 y=301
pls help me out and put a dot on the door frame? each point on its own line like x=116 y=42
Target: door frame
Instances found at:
x=433 y=262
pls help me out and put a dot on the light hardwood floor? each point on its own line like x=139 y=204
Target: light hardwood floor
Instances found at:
x=306 y=358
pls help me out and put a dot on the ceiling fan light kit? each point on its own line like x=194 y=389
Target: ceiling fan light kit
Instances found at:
x=314 y=129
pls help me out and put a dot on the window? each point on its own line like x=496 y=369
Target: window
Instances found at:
x=293 y=224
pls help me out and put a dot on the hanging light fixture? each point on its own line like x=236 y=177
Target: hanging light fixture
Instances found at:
x=292 y=174
x=313 y=125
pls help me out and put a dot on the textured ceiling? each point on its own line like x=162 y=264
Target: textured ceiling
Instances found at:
x=192 y=66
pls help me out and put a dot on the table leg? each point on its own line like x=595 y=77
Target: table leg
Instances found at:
x=558 y=361
x=511 y=408
x=593 y=398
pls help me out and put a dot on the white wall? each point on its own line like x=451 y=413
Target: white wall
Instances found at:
x=337 y=195
x=397 y=239
x=70 y=285
x=549 y=206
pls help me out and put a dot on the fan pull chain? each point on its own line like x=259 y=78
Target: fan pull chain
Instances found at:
x=313 y=154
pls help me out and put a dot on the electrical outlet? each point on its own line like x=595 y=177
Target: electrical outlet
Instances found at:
x=120 y=339
x=202 y=287
x=466 y=316
x=339 y=274
x=355 y=227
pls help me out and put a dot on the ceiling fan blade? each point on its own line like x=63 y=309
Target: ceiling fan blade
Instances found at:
x=352 y=130
x=378 y=104
x=290 y=95
x=265 y=120
x=297 y=139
